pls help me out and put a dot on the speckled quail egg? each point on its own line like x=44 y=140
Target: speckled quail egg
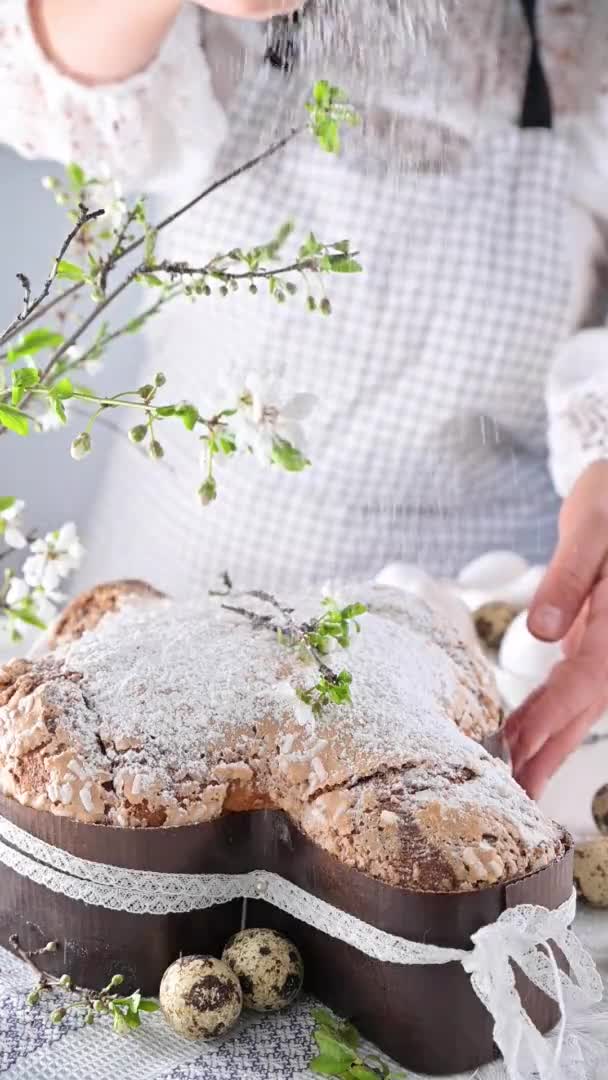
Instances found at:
x=591 y=871
x=269 y=968
x=492 y=622
x=200 y=997
x=599 y=809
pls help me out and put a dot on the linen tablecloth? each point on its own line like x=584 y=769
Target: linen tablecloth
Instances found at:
x=263 y=1048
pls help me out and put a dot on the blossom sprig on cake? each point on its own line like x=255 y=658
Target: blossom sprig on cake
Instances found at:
x=31 y=597
x=312 y=641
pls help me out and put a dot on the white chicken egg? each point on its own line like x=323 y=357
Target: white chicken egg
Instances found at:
x=492 y=570
x=521 y=591
x=513 y=689
x=406 y=577
x=523 y=655
x=440 y=596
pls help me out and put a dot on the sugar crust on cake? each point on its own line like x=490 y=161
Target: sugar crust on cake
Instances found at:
x=167 y=714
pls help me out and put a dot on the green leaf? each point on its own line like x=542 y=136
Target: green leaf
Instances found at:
x=63 y=389
x=150 y=246
x=352 y=611
x=135 y=324
x=148 y=1005
x=22 y=380
x=331 y=1048
x=14 y=419
x=33 y=342
x=343 y=264
x=76 y=176
x=135 y=1001
x=150 y=279
x=325 y=1066
x=321 y=93
x=288 y=457
x=188 y=414
x=363 y=1072
x=58 y=408
x=27 y=616
x=6 y=501
x=70 y=271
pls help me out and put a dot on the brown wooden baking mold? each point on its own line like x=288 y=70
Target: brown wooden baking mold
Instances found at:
x=427 y=1018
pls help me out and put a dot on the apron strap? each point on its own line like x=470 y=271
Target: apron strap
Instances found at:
x=537 y=111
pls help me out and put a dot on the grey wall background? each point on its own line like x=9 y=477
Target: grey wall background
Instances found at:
x=39 y=468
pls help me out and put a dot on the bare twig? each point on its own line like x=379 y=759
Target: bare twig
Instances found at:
x=27 y=290
x=32 y=305
x=28 y=958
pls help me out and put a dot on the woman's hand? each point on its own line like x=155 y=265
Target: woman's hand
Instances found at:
x=108 y=40
x=571 y=604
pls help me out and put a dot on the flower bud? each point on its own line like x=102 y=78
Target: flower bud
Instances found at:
x=159 y=379
x=33 y=997
x=311 y=303
x=207 y=492
x=253 y=289
x=291 y=288
x=116 y=980
x=65 y=982
x=138 y=433
x=145 y=390
x=81 y=446
x=325 y=306
x=57 y=1016
x=90 y=1017
x=155 y=450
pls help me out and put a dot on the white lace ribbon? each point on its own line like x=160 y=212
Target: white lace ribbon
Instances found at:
x=518 y=935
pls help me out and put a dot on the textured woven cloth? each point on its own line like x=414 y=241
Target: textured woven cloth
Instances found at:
x=263 y=1048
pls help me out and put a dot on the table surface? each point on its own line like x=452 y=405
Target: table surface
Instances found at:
x=263 y=1048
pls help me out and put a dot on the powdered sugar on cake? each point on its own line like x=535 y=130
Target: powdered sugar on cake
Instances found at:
x=168 y=714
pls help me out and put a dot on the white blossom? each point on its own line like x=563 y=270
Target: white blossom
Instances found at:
x=53 y=558
x=18 y=590
x=46 y=604
x=260 y=420
x=50 y=421
x=11 y=524
x=302 y=712
x=91 y=365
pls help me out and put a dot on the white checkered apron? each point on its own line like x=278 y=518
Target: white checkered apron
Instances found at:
x=429 y=441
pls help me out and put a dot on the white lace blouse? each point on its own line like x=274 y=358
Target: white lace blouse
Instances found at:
x=165 y=124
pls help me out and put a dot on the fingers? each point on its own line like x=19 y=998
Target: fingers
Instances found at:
x=572 y=642
x=536 y=773
x=557 y=717
x=581 y=555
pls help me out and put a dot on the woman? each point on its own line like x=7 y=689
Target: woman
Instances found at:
x=435 y=371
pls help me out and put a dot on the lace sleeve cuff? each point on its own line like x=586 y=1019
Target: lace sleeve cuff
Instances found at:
x=577 y=400
x=161 y=123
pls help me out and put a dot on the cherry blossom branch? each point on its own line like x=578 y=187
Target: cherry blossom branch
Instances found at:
x=35 y=312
